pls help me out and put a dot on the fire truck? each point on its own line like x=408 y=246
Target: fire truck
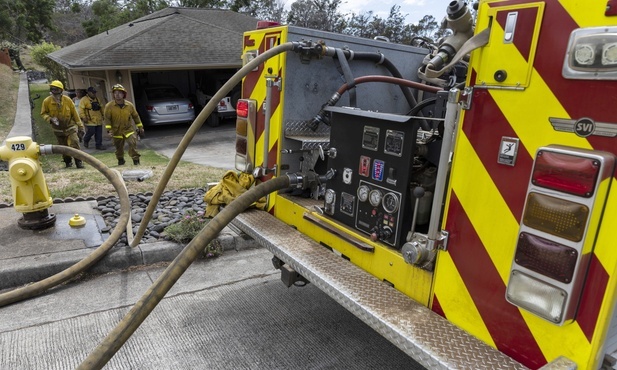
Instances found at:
x=460 y=201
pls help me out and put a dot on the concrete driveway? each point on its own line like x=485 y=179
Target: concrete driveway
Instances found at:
x=212 y=146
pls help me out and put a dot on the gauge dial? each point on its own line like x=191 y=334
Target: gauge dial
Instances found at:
x=329 y=196
x=363 y=191
x=390 y=203
x=375 y=197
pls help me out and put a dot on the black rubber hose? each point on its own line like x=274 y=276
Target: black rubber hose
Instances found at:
x=125 y=209
x=140 y=311
x=381 y=59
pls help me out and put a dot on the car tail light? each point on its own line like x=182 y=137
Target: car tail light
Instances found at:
x=191 y=106
x=149 y=108
x=245 y=134
x=567 y=189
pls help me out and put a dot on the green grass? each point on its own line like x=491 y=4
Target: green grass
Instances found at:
x=9 y=85
x=71 y=182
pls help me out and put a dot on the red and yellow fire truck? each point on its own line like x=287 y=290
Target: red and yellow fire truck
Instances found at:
x=460 y=198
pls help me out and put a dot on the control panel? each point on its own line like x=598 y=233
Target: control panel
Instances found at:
x=370 y=191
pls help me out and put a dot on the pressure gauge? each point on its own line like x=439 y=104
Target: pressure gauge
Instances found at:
x=329 y=199
x=363 y=191
x=329 y=196
x=390 y=202
x=375 y=197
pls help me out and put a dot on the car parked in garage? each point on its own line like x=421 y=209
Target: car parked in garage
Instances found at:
x=163 y=104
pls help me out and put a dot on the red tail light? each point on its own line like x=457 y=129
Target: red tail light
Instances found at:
x=566 y=173
x=242 y=108
x=149 y=108
x=191 y=106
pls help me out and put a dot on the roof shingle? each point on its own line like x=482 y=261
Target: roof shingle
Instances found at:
x=170 y=38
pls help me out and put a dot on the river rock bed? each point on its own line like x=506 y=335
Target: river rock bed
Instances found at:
x=170 y=209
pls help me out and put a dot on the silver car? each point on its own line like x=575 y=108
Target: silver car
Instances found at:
x=164 y=104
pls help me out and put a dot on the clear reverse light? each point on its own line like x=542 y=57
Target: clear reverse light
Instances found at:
x=536 y=296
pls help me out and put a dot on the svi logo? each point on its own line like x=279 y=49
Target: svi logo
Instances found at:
x=584 y=127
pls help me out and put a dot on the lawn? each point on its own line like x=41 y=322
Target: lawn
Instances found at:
x=71 y=182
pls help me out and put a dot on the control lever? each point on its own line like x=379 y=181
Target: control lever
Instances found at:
x=418 y=193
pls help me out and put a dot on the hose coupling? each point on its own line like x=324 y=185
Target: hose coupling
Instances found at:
x=46 y=149
x=295 y=180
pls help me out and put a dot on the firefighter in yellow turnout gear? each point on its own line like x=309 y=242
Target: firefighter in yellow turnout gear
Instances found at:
x=91 y=113
x=59 y=111
x=118 y=123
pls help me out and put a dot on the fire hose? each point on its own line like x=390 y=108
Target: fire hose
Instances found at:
x=65 y=275
x=140 y=311
x=196 y=125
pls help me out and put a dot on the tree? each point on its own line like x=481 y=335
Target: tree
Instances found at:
x=317 y=14
x=270 y=10
x=107 y=14
x=370 y=26
x=358 y=24
x=26 y=19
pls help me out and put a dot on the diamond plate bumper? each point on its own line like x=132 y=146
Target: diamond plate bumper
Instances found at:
x=425 y=336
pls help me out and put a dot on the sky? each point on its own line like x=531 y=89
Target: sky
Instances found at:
x=415 y=9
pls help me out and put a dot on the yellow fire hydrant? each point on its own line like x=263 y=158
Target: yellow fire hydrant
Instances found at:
x=30 y=192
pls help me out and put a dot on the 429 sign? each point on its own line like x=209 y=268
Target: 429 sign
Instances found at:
x=18 y=147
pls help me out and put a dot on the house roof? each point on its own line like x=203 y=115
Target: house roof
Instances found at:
x=170 y=38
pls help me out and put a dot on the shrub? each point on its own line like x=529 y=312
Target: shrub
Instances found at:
x=39 y=55
x=188 y=227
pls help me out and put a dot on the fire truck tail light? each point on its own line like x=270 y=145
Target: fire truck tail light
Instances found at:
x=566 y=196
x=566 y=173
x=245 y=129
x=536 y=296
x=242 y=108
x=241 y=145
x=241 y=127
x=546 y=257
x=241 y=164
x=559 y=217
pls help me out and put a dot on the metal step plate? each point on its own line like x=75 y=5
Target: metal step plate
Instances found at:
x=425 y=336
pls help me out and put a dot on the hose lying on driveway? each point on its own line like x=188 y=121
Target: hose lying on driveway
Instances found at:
x=196 y=125
x=125 y=208
x=140 y=311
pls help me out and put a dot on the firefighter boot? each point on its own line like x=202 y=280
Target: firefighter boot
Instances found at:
x=121 y=161
x=136 y=161
x=68 y=162
x=79 y=163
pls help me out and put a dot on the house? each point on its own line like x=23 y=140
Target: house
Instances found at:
x=191 y=48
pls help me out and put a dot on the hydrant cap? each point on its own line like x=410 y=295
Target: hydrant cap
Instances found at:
x=77 y=221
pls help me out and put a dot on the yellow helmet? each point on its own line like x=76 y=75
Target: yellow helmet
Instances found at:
x=57 y=84
x=118 y=87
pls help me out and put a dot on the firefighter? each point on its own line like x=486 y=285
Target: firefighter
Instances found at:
x=118 y=114
x=91 y=113
x=59 y=111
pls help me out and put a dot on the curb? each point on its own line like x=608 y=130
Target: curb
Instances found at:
x=25 y=270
